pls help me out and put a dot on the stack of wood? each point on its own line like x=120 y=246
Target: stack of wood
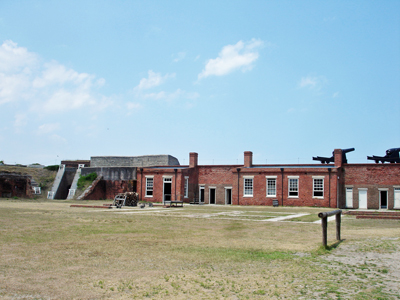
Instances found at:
x=126 y=199
x=131 y=199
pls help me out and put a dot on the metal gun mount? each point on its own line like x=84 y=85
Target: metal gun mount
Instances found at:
x=327 y=160
x=392 y=156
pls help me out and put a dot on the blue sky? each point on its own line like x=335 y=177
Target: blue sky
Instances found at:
x=288 y=80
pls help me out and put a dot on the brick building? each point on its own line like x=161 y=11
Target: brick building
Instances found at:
x=334 y=183
x=248 y=184
x=375 y=186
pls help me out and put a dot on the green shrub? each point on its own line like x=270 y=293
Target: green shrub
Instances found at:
x=52 y=168
x=84 y=179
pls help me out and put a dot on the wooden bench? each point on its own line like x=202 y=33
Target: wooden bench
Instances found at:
x=172 y=203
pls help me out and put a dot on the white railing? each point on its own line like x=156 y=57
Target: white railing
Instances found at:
x=71 y=193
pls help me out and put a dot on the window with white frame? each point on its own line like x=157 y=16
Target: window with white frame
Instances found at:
x=318 y=187
x=186 y=187
x=293 y=187
x=149 y=186
x=271 y=186
x=248 y=186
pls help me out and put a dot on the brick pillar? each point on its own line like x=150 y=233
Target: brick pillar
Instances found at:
x=337 y=153
x=193 y=158
x=248 y=159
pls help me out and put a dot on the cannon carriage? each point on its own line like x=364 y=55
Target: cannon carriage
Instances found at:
x=392 y=156
x=327 y=160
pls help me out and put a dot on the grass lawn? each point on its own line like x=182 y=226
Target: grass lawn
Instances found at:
x=49 y=250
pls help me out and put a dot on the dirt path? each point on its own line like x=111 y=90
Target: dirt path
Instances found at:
x=375 y=263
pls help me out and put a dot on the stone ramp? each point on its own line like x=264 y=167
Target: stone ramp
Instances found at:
x=90 y=188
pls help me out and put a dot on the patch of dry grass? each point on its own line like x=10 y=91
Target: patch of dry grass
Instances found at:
x=51 y=251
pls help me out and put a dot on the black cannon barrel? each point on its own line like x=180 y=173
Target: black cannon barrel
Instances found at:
x=329 y=213
x=348 y=150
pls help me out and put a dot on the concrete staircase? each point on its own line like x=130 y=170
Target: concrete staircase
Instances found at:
x=74 y=184
x=56 y=183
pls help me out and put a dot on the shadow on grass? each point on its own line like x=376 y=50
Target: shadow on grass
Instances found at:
x=326 y=249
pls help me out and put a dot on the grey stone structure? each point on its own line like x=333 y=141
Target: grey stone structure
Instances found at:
x=133 y=161
x=112 y=173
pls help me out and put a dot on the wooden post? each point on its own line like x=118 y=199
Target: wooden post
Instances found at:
x=324 y=222
x=338 y=221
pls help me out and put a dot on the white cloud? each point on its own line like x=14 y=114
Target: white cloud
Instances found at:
x=48 y=87
x=63 y=100
x=13 y=87
x=154 y=79
x=232 y=57
x=57 y=74
x=180 y=56
x=58 y=140
x=16 y=59
x=133 y=106
x=20 y=121
x=312 y=82
x=171 y=96
x=48 y=128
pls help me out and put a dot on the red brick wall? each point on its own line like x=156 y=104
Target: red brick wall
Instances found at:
x=373 y=177
x=305 y=187
x=193 y=184
x=108 y=189
x=221 y=177
x=158 y=184
x=15 y=186
x=217 y=177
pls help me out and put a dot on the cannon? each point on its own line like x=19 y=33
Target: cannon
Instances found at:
x=126 y=199
x=327 y=160
x=392 y=156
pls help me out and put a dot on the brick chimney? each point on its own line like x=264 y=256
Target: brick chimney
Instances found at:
x=193 y=157
x=248 y=159
x=338 y=156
